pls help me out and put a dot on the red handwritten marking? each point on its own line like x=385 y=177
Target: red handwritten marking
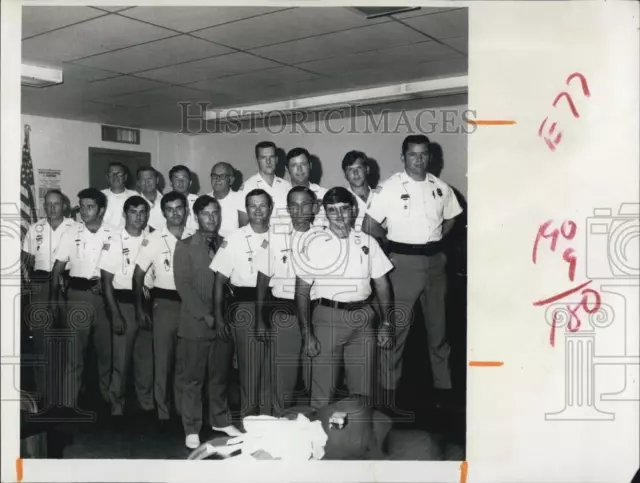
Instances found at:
x=568 y=231
x=569 y=257
x=574 y=312
x=561 y=296
x=583 y=83
x=551 y=141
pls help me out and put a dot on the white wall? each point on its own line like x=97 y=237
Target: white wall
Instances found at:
x=402 y=118
x=63 y=144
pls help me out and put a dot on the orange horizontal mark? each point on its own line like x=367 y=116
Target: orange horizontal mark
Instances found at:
x=464 y=470
x=488 y=122
x=19 y=469
x=486 y=363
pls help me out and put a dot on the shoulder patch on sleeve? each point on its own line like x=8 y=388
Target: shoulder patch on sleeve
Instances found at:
x=265 y=244
x=106 y=247
x=241 y=187
x=145 y=242
x=378 y=189
x=223 y=244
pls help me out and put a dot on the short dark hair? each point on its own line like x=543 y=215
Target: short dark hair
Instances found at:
x=179 y=167
x=338 y=194
x=258 y=192
x=414 y=139
x=144 y=169
x=119 y=165
x=135 y=200
x=351 y=157
x=202 y=202
x=54 y=192
x=264 y=145
x=93 y=194
x=295 y=152
x=172 y=196
x=302 y=189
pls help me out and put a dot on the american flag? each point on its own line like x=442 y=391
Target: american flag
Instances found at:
x=27 y=187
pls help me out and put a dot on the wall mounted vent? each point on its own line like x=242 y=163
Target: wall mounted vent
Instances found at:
x=124 y=135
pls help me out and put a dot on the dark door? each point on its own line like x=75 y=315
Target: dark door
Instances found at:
x=100 y=158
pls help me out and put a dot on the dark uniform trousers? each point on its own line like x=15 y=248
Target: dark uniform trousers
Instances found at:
x=134 y=346
x=39 y=319
x=283 y=354
x=251 y=354
x=86 y=318
x=424 y=277
x=347 y=339
x=207 y=360
x=168 y=363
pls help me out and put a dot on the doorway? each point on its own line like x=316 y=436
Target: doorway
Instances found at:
x=99 y=159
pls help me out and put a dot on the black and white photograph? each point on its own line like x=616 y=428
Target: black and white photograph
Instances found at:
x=244 y=232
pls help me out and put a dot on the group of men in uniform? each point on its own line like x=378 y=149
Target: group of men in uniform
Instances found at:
x=280 y=277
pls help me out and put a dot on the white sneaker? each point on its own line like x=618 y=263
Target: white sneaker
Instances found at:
x=230 y=430
x=192 y=441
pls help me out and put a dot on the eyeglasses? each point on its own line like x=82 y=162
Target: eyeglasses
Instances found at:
x=222 y=177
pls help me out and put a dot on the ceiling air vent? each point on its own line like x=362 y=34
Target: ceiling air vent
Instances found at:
x=124 y=135
x=375 y=12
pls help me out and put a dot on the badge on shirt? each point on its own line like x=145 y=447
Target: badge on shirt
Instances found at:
x=106 y=247
x=439 y=191
x=365 y=250
x=265 y=244
x=145 y=242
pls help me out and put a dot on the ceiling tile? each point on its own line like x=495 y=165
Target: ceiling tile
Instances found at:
x=92 y=37
x=348 y=41
x=112 y=9
x=208 y=68
x=383 y=58
x=181 y=48
x=77 y=74
x=186 y=19
x=159 y=96
x=454 y=23
x=37 y=20
x=284 y=26
x=254 y=80
x=117 y=85
x=423 y=11
x=459 y=43
x=426 y=70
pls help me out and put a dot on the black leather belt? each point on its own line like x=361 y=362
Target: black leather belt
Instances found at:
x=427 y=249
x=245 y=294
x=162 y=293
x=124 y=296
x=344 y=305
x=40 y=276
x=84 y=284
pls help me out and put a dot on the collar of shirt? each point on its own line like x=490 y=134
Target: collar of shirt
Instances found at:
x=152 y=203
x=186 y=232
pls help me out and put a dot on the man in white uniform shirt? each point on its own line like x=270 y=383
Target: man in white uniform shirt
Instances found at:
x=299 y=168
x=158 y=256
x=230 y=201
x=340 y=333
x=277 y=315
x=38 y=253
x=117 y=193
x=82 y=246
x=266 y=180
x=148 y=186
x=130 y=344
x=356 y=171
x=180 y=179
x=235 y=267
x=419 y=210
